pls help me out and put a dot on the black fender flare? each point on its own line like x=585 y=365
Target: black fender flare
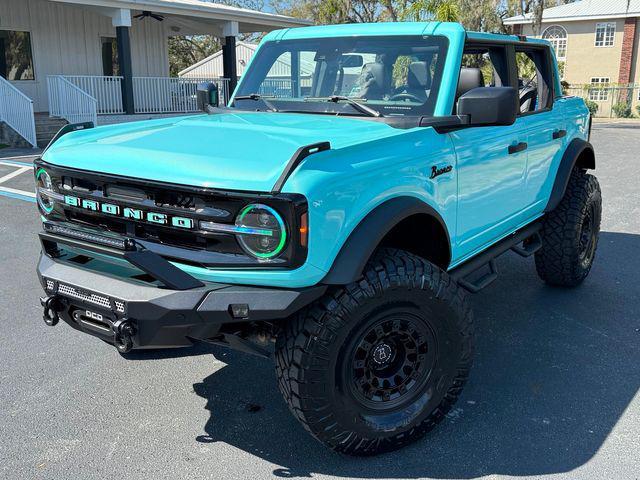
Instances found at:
x=365 y=238
x=578 y=149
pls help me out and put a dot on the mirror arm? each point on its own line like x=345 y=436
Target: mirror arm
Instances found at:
x=446 y=123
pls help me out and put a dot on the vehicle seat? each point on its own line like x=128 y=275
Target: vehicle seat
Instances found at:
x=528 y=99
x=469 y=79
x=371 y=81
x=418 y=81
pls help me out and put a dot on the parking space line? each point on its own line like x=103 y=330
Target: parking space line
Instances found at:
x=19 y=171
x=12 y=163
x=17 y=194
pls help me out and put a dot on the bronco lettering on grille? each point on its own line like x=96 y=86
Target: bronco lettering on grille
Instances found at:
x=130 y=212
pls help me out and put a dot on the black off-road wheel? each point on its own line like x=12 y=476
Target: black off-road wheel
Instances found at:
x=570 y=233
x=374 y=365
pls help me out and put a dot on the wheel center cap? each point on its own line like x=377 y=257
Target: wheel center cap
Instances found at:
x=382 y=354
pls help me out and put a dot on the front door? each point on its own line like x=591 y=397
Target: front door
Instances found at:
x=491 y=163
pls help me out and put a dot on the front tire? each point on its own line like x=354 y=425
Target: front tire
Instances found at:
x=570 y=233
x=374 y=365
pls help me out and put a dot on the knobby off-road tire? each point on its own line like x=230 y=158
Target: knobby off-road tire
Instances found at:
x=570 y=233
x=376 y=364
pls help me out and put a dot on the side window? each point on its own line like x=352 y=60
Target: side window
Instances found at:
x=535 y=79
x=483 y=67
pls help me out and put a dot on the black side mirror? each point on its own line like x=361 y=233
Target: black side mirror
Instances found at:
x=207 y=95
x=489 y=106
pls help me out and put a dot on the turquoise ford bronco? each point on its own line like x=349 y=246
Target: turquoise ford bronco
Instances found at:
x=360 y=182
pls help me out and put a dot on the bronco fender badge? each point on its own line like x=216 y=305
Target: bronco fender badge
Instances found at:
x=435 y=171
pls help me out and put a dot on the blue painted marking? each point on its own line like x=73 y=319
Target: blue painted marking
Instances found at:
x=16 y=163
x=18 y=196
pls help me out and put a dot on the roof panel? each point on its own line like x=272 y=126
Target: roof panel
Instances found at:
x=582 y=10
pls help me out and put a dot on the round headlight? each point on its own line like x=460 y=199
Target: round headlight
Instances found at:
x=43 y=185
x=262 y=231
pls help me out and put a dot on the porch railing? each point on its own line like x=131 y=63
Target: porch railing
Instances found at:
x=106 y=90
x=79 y=96
x=172 y=95
x=70 y=102
x=16 y=110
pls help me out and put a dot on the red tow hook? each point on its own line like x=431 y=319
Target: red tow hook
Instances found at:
x=52 y=306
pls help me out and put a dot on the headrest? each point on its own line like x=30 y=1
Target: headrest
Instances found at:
x=372 y=76
x=470 y=78
x=418 y=76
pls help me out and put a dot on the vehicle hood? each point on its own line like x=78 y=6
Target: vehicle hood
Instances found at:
x=236 y=151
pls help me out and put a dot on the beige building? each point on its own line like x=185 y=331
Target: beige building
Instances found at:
x=597 y=44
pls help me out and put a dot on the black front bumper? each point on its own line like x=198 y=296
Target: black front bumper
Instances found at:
x=154 y=316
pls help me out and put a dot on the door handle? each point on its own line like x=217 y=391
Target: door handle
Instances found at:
x=518 y=147
x=559 y=134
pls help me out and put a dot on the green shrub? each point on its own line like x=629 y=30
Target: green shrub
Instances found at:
x=638 y=109
x=592 y=106
x=622 y=110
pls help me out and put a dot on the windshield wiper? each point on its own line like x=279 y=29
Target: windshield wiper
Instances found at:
x=341 y=98
x=257 y=96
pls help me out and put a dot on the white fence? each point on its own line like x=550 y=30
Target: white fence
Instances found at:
x=106 y=90
x=172 y=95
x=16 y=110
x=609 y=101
x=70 y=102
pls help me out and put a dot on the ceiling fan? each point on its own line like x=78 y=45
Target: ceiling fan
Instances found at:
x=147 y=13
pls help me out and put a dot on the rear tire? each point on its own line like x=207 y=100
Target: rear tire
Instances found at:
x=374 y=365
x=570 y=233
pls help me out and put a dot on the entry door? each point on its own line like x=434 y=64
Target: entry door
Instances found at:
x=492 y=165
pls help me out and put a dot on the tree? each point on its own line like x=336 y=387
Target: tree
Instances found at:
x=185 y=50
x=439 y=10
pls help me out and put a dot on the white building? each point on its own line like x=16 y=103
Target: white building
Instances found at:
x=77 y=59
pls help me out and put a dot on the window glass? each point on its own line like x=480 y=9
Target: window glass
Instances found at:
x=481 y=60
x=16 y=61
x=534 y=80
x=557 y=36
x=109 y=56
x=393 y=75
x=605 y=33
x=599 y=91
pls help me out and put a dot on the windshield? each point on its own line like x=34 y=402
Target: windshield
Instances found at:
x=393 y=76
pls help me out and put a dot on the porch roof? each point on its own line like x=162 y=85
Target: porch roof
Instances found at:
x=198 y=16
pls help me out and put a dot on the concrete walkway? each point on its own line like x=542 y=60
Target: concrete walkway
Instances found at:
x=27 y=153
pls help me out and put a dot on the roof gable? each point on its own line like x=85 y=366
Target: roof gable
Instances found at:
x=583 y=10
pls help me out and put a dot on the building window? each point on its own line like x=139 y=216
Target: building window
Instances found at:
x=599 y=91
x=605 y=33
x=109 y=56
x=16 y=60
x=557 y=36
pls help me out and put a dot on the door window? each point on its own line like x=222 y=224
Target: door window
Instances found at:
x=535 y=79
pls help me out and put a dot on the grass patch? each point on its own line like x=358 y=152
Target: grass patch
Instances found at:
x=3 y=145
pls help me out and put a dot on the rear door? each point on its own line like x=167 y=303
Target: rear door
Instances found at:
x=543 y=118
x=491 y=163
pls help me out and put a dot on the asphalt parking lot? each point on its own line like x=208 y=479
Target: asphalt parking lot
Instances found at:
x=554 y=390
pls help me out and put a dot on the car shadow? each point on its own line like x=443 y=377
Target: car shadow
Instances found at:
x=555 y=369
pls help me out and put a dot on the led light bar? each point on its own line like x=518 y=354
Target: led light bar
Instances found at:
x=120 y=243
x=51 y=194
x=235 y=229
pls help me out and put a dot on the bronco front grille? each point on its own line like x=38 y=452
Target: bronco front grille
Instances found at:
x=167 y=216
